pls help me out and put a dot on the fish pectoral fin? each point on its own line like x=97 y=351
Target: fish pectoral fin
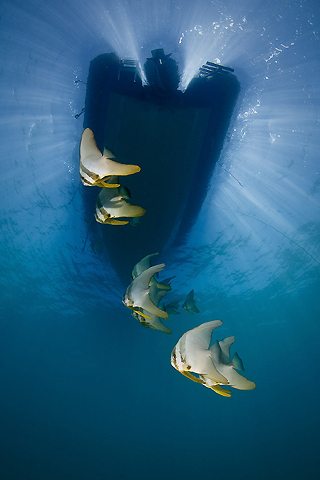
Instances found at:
x=164 y=286
x=221 y=391
x=108 y=181
x=104 y=183
x=192 y=377
x=140 y=313
x=113 y=221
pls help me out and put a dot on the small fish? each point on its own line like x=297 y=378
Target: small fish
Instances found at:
x=189 y=303
x=172 y=307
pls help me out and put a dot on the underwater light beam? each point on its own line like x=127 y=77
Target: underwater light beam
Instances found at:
x=205 y=43
x=122 y=37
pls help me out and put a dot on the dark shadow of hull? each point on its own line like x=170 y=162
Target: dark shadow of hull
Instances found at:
x=175 y=138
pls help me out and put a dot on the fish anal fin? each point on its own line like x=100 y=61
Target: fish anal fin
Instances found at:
x=150 y=307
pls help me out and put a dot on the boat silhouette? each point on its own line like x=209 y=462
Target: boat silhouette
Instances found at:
x=175 y=137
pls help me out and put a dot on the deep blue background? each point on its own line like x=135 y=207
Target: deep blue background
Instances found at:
x=85 y=391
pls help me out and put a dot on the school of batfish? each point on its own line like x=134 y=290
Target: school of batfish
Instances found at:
x=212 y=366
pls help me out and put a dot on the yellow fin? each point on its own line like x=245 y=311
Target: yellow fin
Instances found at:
x=221 y=391
x=192 y=377
x=104 y=183
x=135 y=310
x=140 y=313
x=112 y=221
x=164 y=286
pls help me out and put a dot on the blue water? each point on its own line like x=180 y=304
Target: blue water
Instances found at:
x=86 y=392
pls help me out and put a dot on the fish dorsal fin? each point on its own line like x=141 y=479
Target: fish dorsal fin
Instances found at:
x=216 y=352
x=144 y=264
x=190 y=296
x=143 y=279
x=236 y=362
x=225 y=345
x=88 y=146
x=201 y=335
x=108 y=153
